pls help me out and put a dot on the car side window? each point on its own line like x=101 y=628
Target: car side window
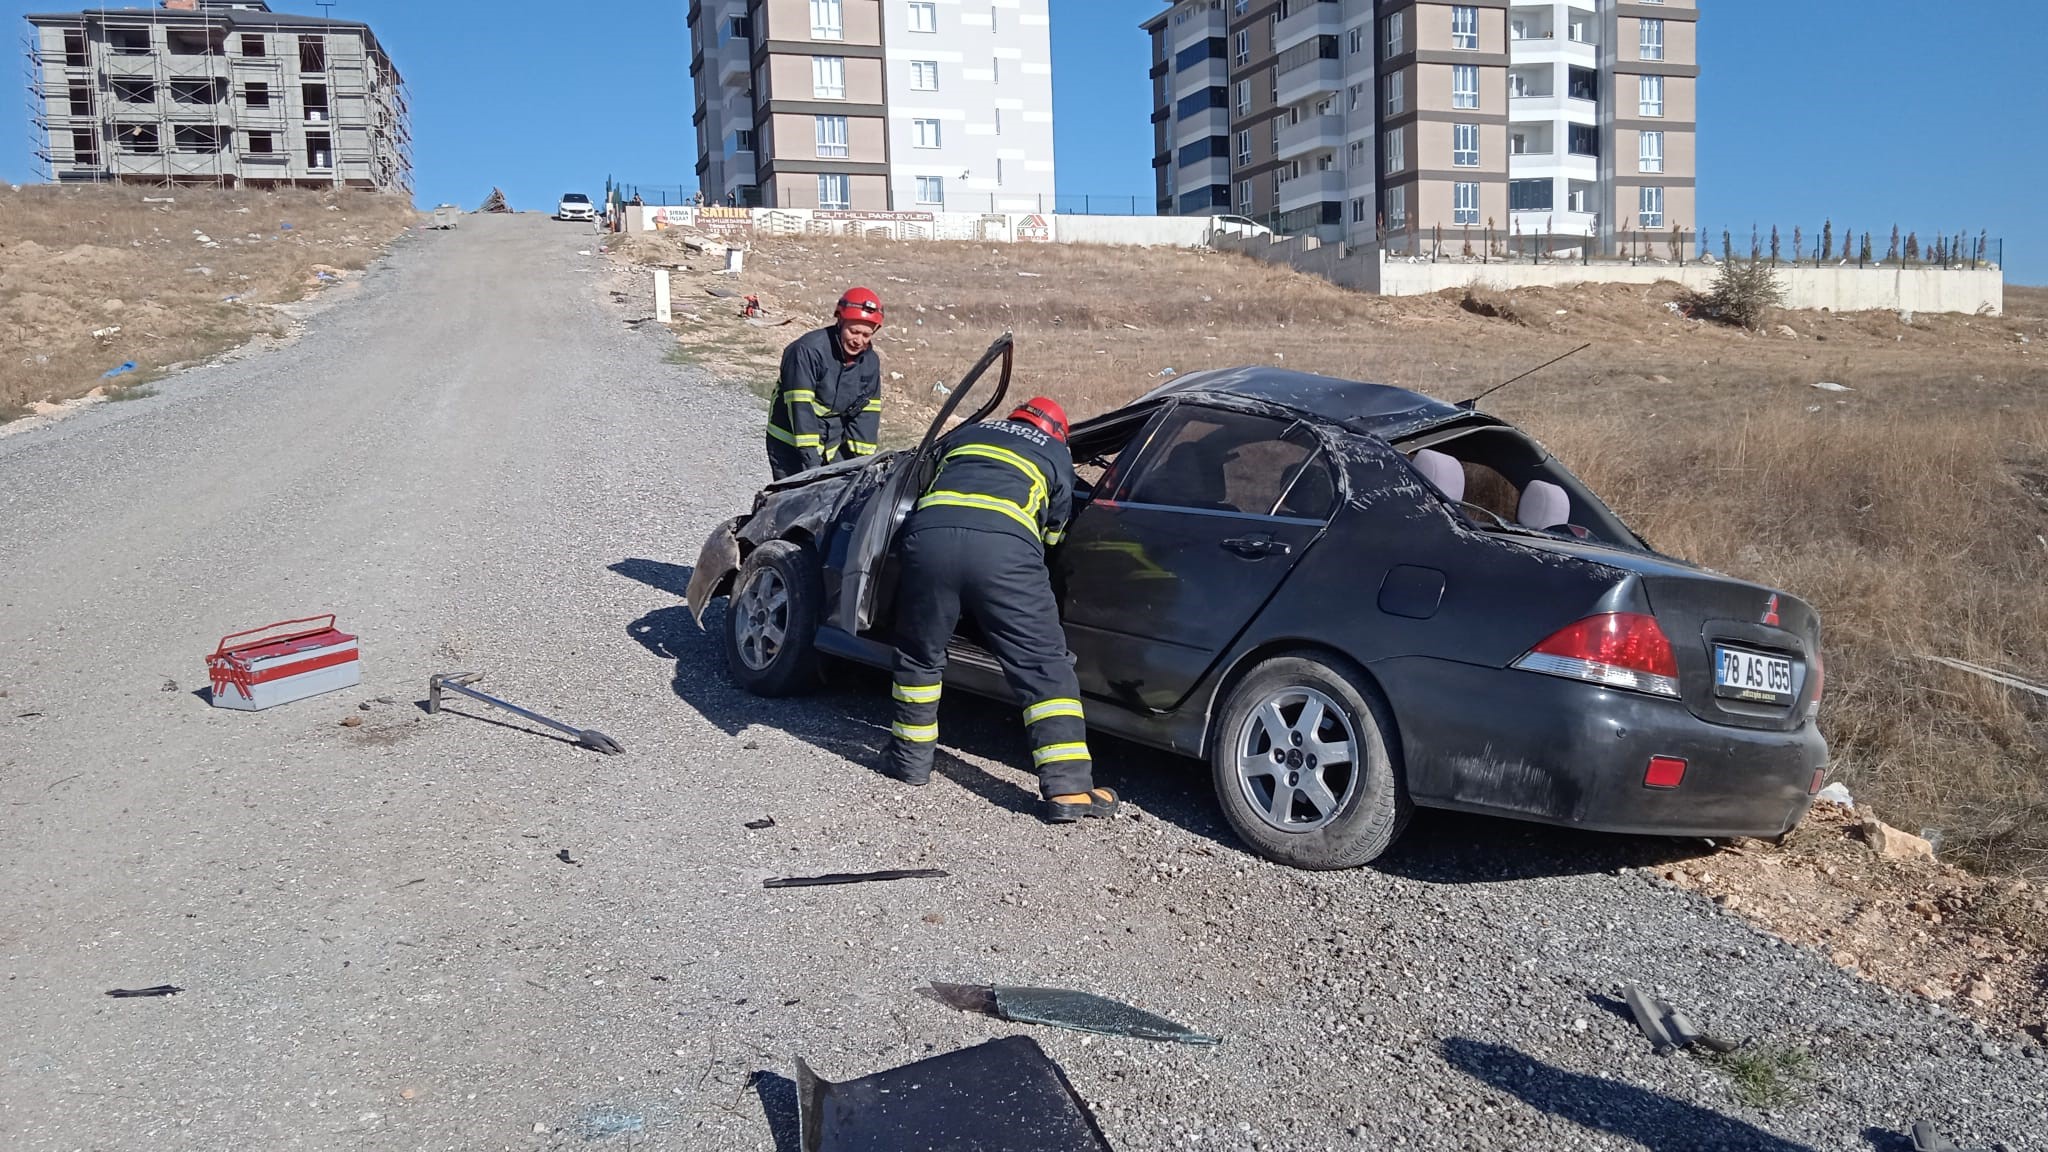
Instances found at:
x=1219 y=461
x=1311 y=491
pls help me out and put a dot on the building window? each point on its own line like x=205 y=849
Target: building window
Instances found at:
x=1357 y=94
x=1652 y=152
x=1244 y=97
x=1652 y=203
x=1651 y=99
x=1397 y=94
x=925 y=133
x=1359 y=209
x=1464 y=27
x=1397 y=209
x=743 y=139
x=261 y=144
x=1244 y=148
x=1396 y=152
x=924 y=75
x=1579 y=198
x=828 y=77
x=1241 y=48
x=931 y=189
x=137 y=139
x=1653 y=40
x=252 y=44
x=835 y=191
x=924 y=17
x=1465 y=203
x=1354 y=41
x=828 y=22
x=319 y=151
x=832 y=137
x=1464 y=86
x=256 y=94
x=1199 y=102
x=1465 y=145
x=1244 y=195
x=1530 y=195
x=1357 y=161
x=1394 y=37
x=1583 y=140
x=738 y=28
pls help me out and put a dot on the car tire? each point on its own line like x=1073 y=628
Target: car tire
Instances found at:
x=771 y=620
x=1275 y=760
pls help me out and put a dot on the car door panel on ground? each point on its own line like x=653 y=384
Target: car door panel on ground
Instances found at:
x=1159 y=577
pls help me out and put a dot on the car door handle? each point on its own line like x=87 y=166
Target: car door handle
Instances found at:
x=1255 y=547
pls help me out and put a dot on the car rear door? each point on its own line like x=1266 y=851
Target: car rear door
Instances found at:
x=1157 y=579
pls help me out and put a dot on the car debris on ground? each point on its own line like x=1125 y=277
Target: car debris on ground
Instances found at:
x=1002 y=1096
x=831 y=878
x=1065 y=1008
x=136 y=993
x=1668 y=1028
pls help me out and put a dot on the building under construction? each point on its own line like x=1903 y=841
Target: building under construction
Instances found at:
x=220 y=92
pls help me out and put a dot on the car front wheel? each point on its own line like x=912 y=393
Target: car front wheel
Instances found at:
x=771 y=620
x=1304 y=766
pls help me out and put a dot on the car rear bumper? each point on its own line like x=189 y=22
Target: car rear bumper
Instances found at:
x=1535 y=747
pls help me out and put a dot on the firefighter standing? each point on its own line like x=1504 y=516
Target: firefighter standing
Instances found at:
x=828 y=403
x=976 y=542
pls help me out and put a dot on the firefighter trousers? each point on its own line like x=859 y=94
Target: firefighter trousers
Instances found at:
x=998 y=578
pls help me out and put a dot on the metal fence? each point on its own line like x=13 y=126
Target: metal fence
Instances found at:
x=1064 y=203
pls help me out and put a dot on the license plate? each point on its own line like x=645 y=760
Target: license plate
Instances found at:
x=1752 y=676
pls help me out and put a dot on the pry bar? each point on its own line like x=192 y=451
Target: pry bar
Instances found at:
x=460 y=682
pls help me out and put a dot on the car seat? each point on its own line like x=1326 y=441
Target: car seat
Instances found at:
x=1442 y=471
x=1191 y=476
x=1544 y=506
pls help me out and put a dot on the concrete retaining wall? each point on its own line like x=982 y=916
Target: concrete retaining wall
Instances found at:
x=1002 y=227
x=1835 y=289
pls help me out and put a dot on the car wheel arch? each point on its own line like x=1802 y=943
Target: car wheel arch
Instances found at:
x=1251 y=658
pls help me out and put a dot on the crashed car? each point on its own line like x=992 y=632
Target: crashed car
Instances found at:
x=1350 y=600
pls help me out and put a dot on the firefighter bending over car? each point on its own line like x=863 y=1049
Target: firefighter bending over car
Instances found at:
x=976 y=542
x=828 y=403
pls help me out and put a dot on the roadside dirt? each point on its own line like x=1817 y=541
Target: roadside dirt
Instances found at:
x=1974 y=944
x=92 y=279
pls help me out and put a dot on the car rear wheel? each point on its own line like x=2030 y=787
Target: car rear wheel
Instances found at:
x=771 y=620
x=1304 y=767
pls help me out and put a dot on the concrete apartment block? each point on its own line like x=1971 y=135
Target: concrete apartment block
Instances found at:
x=939 y=105
x=222 y=92
x=1416 y=122
x=1191 y=168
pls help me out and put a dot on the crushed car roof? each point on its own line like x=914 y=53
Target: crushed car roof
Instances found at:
x=1372 y=409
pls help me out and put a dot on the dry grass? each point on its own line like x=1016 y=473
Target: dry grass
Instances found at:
x=1913 y=510
x=77 y=260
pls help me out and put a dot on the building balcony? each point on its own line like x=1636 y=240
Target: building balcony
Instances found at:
x=1320 y=18
x=734 y=68
x=1313 y=134
x=1320 y=77
x=1311 y=188
x=1545 y=106
x=123 y=65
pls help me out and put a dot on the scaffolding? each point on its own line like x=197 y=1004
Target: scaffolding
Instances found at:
x=163 y=97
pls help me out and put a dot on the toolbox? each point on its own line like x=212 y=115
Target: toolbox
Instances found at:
x=283 y=662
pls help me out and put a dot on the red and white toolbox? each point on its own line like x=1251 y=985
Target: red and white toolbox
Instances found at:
x=283 y=662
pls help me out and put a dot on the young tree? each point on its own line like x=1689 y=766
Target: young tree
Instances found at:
x=1774 y=246
x=1891 y=255
x=1798 y=244
x=1468 y=241
x=1742 y=295
x=1941 y=250
x=1727 y=248
x=1863 y=254
x=1677 y=245
x=1913 y=246
x=1827 y=239
x=1983 y=246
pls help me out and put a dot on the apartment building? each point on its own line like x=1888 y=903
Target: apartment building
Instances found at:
x=1425 y=122
x=223 y=92
x=906 y=105
x=1191 y=108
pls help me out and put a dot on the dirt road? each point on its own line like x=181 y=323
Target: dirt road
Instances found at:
x=477 y=466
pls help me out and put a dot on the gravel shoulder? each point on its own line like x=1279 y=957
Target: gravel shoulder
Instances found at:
x=477 y=465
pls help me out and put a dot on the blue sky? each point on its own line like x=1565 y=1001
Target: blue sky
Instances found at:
x=1869 y=111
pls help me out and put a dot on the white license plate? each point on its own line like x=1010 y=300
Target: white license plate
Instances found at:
x=1752 y=676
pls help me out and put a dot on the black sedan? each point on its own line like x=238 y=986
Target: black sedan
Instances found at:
x=1349 y=599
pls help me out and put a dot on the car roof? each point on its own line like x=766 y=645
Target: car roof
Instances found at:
x=1370 y=409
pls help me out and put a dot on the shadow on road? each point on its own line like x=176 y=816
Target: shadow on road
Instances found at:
x=1657 y=1122
x=778 y=1104
x=849 y=718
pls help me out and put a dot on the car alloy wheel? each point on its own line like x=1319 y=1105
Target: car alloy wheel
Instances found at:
x=763 y=624
x=1297 y=759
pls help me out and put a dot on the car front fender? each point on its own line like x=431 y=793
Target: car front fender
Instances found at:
x=717 y=563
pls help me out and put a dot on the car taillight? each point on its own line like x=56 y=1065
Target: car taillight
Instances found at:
x=1820 y=682
x=1664 y=772
x=1618 y=649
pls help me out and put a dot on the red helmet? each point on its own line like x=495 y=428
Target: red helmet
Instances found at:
x=1045 y=414
x=860 y=304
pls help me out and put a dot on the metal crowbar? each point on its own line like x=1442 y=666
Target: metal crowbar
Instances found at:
x=589 y=738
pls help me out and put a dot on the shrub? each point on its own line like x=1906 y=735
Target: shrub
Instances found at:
x=1742 y=295
x=1481 y=301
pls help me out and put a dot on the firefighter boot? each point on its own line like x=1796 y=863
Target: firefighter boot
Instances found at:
x=1096 y=802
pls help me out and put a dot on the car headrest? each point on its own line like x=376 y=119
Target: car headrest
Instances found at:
x=1544 y=505
x=1446 y=473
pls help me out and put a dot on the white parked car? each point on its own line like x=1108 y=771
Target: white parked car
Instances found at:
x=575 y=206
x=1237 y=226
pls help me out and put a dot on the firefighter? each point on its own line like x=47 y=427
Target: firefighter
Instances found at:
x=828 y=403
x=976 y=542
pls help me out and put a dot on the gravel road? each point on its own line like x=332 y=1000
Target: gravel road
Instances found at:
x=478 y=466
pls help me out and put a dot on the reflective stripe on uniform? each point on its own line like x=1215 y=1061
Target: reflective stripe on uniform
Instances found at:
x=1032 y=472
x=874 y=405
x=820 y=411
x=796 y=394
x=916 y=693
x=807 y=440
x=986 y=503
x=1054 y=753
x=1055 y=535
x=1047 y=709
x=859 y=448
x=922 y=733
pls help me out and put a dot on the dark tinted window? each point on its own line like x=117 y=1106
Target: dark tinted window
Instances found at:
x=1231 y=462
x=1211 y=49
x=1200 y=102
